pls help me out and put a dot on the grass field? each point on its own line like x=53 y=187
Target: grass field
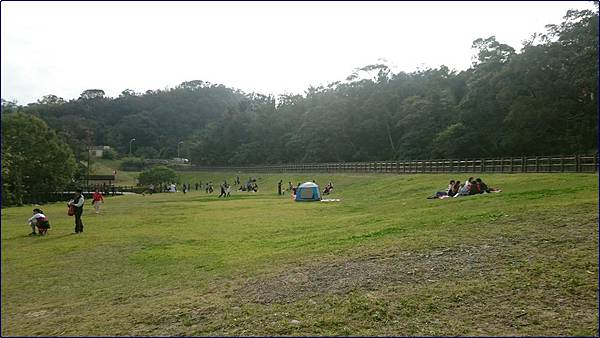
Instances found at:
x=106 y=167
x=383 y=261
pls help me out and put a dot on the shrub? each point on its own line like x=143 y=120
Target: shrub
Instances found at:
x=156 y=176
x=132 y=164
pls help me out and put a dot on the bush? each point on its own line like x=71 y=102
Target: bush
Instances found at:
x=157 y=175
x=132 y=164
x=35 y=160
x=109 y=154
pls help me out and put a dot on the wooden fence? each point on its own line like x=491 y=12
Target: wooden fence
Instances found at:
x=530 y=164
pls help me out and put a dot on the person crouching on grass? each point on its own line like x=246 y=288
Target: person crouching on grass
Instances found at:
x=97 y=200
x=77 y=203
x=40 y=221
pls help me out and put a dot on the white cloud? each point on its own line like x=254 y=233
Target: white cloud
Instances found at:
x=65 y=47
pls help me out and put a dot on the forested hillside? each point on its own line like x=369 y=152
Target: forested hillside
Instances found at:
x=541 y=99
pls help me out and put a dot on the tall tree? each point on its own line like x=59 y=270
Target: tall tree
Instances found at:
x=35 y=160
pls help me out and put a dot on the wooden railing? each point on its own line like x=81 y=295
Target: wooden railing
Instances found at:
x=525 y=164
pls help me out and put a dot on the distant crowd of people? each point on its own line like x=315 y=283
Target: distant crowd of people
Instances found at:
x=41 y=222
x=470 y=187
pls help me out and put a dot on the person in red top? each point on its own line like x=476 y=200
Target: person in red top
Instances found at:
x=97 y=200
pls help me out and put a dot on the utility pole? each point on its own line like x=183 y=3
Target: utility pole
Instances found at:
x=178 y=144
x=89 y=148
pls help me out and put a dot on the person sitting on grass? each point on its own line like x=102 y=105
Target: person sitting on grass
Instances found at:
x=455 y=188
x=40 y=221
x=451 y=188
x=463 y=190
x=475 y=188
x=328 y=188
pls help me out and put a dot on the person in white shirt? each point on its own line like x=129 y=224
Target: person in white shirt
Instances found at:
x=77 y=202
x=40 y=220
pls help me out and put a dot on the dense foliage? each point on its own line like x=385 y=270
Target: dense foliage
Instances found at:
x=34 y=160
x=157 y=175
x=540 y=100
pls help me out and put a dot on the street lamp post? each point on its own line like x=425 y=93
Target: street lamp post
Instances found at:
x=178 y=144
x=130 y=142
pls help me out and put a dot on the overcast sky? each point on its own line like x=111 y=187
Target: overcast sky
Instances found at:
x=64 y=48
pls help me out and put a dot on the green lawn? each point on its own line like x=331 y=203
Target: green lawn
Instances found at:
x=383 y=261
x=106 y=167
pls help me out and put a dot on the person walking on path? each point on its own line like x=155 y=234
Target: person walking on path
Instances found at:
x=97 y=200
x=279 y=187
x=77 y=203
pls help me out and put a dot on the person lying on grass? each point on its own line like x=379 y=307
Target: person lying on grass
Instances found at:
x=483 y=188
x=449 y=192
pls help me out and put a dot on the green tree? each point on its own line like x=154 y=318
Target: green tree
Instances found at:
x=35 y=160
x=157 y=175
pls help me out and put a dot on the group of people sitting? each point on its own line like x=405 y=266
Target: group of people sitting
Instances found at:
x=470 y=187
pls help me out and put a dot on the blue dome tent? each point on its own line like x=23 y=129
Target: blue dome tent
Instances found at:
x=308 y=191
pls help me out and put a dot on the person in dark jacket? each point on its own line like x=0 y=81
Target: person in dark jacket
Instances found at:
x=77 y=203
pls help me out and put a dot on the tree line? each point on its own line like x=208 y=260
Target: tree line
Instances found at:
x=539 y=100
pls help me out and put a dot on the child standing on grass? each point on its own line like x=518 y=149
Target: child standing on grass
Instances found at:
x=97 y=200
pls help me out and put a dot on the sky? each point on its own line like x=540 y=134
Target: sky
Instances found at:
x=64 y=48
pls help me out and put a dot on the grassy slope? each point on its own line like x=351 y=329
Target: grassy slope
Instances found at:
x=521 y=262
x=106 y=167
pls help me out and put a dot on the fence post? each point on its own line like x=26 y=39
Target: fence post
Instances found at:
x=511 y=164
x=577 y=164
x=482 y=165
x=537 y=164
x=523 y=164
x=596 y=162
x=562 y=163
